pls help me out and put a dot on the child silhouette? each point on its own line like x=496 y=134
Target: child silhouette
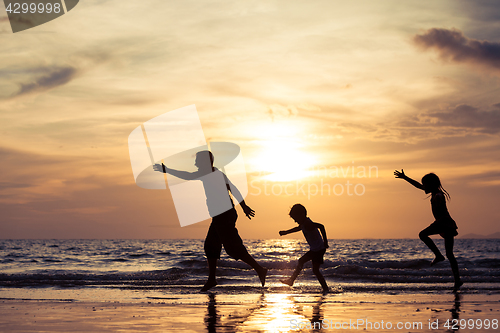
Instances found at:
x=444 y=225
x=317 y=243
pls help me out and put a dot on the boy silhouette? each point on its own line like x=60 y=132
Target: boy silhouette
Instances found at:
x=317 y=243
x=222 y=231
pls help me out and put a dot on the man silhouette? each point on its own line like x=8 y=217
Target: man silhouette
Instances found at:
x=222 y=231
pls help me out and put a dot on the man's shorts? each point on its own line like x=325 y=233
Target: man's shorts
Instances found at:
x=315 y=256
x=223 y=231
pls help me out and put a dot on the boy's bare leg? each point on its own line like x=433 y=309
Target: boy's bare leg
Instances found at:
x=320 y=277
x=211 y=282
x=296 y=273
x=261 y=271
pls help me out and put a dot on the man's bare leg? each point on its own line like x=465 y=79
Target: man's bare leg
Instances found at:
x=211 y=282
x=261 y=271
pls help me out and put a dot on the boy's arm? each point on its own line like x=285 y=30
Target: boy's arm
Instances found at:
x=177 y=173
x=290 y=231
x=408 y=179
x=323 y=233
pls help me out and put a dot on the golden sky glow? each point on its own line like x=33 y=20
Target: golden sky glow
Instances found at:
x=299 y=86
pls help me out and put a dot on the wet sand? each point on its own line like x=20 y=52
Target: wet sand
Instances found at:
x=266 y=312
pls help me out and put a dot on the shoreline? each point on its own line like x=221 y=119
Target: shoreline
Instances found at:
x=142 y=292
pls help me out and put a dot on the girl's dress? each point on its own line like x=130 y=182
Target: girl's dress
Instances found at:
x=444 y=225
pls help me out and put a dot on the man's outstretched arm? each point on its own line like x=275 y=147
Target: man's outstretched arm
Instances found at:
x=177 y=173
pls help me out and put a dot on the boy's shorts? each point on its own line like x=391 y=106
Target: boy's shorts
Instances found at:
x=314 y=256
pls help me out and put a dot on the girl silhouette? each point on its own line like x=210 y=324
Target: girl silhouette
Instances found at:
x=444 y=225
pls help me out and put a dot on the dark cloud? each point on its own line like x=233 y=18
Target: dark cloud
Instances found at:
x=460 y=121
x=452 y=45
x=40 y=78
x=466 y=116
x=57 y=76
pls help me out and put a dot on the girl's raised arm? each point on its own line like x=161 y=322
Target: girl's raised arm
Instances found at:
x=402 y=175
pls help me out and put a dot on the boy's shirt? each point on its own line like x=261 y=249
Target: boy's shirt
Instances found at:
x=313 y=237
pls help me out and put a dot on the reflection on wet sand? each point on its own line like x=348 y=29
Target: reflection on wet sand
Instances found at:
x=455 y=311
x=227 y=322
x=270 y=313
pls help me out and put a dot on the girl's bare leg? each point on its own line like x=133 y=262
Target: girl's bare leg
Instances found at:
x=424 y=236
x=448 y=244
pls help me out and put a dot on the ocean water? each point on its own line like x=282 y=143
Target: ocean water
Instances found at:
x=179 y=266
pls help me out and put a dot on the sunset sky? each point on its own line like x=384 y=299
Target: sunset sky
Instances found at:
x=299 y=86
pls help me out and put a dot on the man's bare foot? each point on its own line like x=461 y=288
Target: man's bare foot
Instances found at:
x=287 y=281
x=457 y=286
x=262 y=276
x=209 y=284
x=436 y=260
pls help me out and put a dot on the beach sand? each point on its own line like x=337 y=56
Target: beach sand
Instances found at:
x=266 y=312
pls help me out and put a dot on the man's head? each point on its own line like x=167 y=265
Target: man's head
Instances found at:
x=204 y=160
x=298 y=213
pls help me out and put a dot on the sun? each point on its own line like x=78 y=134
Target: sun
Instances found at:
x=282 y=155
